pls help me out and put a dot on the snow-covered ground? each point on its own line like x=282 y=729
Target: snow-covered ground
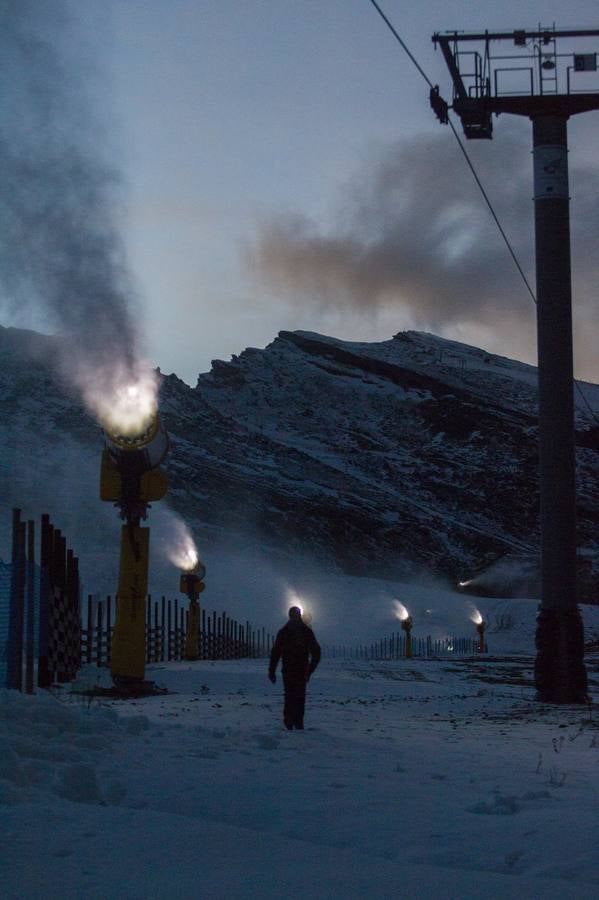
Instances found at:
x=420 y=779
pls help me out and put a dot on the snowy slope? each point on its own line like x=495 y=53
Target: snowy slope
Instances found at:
x=410 y=456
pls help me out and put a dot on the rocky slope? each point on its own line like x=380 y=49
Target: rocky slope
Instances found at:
x=381 y=459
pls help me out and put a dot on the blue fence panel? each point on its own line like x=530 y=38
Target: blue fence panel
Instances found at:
x=5 y=586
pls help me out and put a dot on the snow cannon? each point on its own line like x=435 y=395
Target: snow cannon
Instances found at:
x=191 y=584
x=406 y=625
x=480 y=628
x=131 y=478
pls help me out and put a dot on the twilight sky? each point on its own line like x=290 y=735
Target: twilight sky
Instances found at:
x=281 y=169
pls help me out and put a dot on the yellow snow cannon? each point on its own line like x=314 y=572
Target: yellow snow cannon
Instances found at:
x=131 y=478
x=191 y=584
x=406 y=625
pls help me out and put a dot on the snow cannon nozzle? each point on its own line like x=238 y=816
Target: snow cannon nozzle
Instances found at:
x=191 y=582
x=131 y=476
x=146 y=446
x=407 y=624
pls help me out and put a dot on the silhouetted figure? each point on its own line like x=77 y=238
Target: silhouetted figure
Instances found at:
x=296 y=645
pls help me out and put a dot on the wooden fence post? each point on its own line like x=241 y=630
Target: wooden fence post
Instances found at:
x=99 y=641
x=156 y=633
x=148 y=628
x=44 y=676
x=89 y=631
x=108 y=629
x=168 y=637
x=72 y=618
x=17 y=605
x=59 y=605
x=30 y=606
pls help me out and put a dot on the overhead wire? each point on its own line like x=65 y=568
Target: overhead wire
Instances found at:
x=478 y=181
x=492 y=211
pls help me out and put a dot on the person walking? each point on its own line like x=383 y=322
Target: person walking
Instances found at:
x=296 y=645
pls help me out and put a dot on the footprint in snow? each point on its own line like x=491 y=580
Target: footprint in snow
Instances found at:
x=501 y=806
x=266 y=741
x=507 y=806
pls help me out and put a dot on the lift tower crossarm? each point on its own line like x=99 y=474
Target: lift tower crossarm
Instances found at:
x=542 y=34
x=480 y=94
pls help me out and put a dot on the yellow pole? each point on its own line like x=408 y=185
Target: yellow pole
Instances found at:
x=481 y=637
x=406 y=624
x=192 y=647
x=128 y=651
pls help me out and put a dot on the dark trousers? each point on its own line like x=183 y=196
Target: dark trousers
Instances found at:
x=295 y=699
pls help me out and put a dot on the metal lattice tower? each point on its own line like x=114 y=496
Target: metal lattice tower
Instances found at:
x=534 y=80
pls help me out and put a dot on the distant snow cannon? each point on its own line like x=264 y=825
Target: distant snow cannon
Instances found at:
x=192 y=584
x=506 y=574
x=406 y=624
x=131 y=478
x=480 y=625
x=304 y=604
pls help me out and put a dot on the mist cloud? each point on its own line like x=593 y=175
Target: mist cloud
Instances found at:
x=415 y=235
x=60 y=252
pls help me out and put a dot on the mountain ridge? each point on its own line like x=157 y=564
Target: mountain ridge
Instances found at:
x=388 y=458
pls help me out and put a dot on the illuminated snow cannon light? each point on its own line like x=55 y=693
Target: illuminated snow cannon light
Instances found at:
x=136 y=444
x=126 y=407
x=480 y=628
x=192 y=584
x=131 y=478
x=305 y=614
x=406 y=624
x=186 y=559
x=294 y=599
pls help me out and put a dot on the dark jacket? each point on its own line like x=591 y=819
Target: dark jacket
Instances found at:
x=296 y=645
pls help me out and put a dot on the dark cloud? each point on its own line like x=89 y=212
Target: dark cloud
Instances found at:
x=60 y=252
x=415 y=234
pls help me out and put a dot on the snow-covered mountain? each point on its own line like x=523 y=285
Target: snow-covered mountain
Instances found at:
x=381 y=459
